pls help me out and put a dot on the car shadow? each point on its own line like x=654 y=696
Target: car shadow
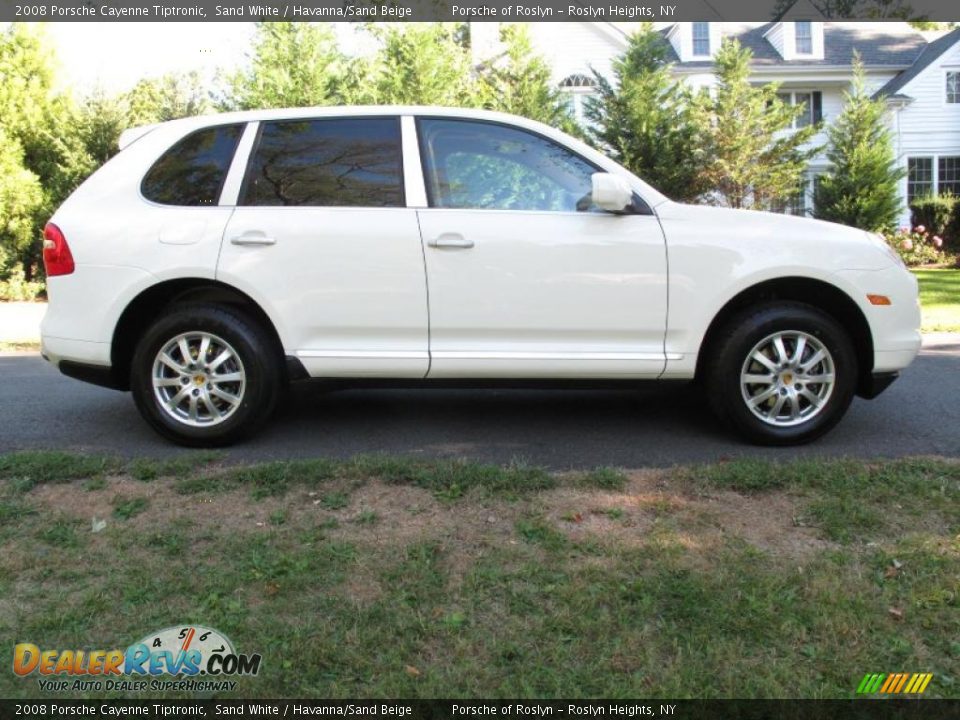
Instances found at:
x=649 y=427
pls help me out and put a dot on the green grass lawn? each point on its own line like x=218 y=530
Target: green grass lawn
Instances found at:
x=391 y=577
x=940 y=299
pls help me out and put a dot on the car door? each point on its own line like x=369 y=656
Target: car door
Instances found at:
x=526 y=278
x=322 y=239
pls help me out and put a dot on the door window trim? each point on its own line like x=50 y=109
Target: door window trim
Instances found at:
x=233 y=184
x=414 y=176
x=641 y=207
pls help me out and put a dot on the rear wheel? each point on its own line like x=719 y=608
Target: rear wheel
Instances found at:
x=782 y=374
x=205 y=375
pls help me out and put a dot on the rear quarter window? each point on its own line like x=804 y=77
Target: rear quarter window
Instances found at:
x=192 y=172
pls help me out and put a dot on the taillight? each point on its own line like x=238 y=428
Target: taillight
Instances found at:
x=57 y=258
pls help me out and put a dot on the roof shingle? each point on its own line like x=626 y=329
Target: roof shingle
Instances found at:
x=879 y=44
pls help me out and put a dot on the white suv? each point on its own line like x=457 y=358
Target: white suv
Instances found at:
x=216 y=259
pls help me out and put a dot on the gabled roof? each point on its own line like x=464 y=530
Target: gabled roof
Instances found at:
x=895 y=45
x=929 y=55
x=801 y=10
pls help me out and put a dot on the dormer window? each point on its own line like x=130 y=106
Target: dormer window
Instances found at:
x=701 y=39
x=804 y=37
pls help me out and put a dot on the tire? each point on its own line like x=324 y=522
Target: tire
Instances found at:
x=205 y=404
x=785 y=405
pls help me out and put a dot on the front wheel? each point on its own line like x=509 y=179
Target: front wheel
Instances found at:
x=205 y=375
x=782 y=374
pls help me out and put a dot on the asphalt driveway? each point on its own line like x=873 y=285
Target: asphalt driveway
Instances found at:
x=918 y=415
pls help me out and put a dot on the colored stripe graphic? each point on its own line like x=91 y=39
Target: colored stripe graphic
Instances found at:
x=888 y=682
x=901 y=682
x=894 y=683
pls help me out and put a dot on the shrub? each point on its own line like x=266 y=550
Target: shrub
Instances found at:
x=953 y=228
x=917 y=246
x=936 y=213
x=15 y=287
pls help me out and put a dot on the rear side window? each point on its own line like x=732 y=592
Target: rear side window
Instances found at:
x=192 y=171
x=327 y=162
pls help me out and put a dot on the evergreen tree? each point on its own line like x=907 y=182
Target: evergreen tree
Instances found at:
x=519 y=81
x=169 y=97
x=20 y=197
x=416 y=64
x=41 y=149
x=646 y=120
x=751 y=158
x=860 y=188
x=102 y=119
x=292 y=65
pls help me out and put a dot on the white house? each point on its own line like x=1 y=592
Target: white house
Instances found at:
x=811 y=60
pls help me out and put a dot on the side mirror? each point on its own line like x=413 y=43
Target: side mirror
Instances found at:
x=610 y=192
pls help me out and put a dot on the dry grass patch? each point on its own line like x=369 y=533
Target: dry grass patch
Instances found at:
x=747 y=579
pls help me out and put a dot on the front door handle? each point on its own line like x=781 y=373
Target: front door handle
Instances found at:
x=253 y=237
x=450 y=240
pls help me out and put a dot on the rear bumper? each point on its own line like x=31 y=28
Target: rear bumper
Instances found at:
x=101 y=375
x=876 y=383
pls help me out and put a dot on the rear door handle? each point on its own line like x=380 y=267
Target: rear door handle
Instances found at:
x=450 y=240
x=253 y=237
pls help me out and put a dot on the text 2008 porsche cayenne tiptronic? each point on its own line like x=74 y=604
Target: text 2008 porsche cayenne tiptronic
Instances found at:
x=216 y=259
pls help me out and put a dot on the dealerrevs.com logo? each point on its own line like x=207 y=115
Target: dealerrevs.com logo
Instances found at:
x=182 y=657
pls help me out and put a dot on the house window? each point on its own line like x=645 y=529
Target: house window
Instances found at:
x=796 y=204
x=804 y=37
x=948 y=176
x=577 y=89
x=812 y=106
x=953 y=86
x=919 y=177
x=701 y=39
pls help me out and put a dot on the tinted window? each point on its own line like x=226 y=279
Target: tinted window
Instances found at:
x=192 y=171
x=483 y=165
x=351 y=161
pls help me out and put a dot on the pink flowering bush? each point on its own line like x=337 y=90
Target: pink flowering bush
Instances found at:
x=917 y=246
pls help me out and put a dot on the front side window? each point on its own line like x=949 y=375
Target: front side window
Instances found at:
x=804 y=37
x=701 y=39
x=327 y=162
x=948 y=176
x=953 y=86
x=193 y=170
x=919 y=177
x=479 y=165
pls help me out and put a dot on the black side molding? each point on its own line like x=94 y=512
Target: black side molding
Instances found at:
x=874 y=384
x=101 y=375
